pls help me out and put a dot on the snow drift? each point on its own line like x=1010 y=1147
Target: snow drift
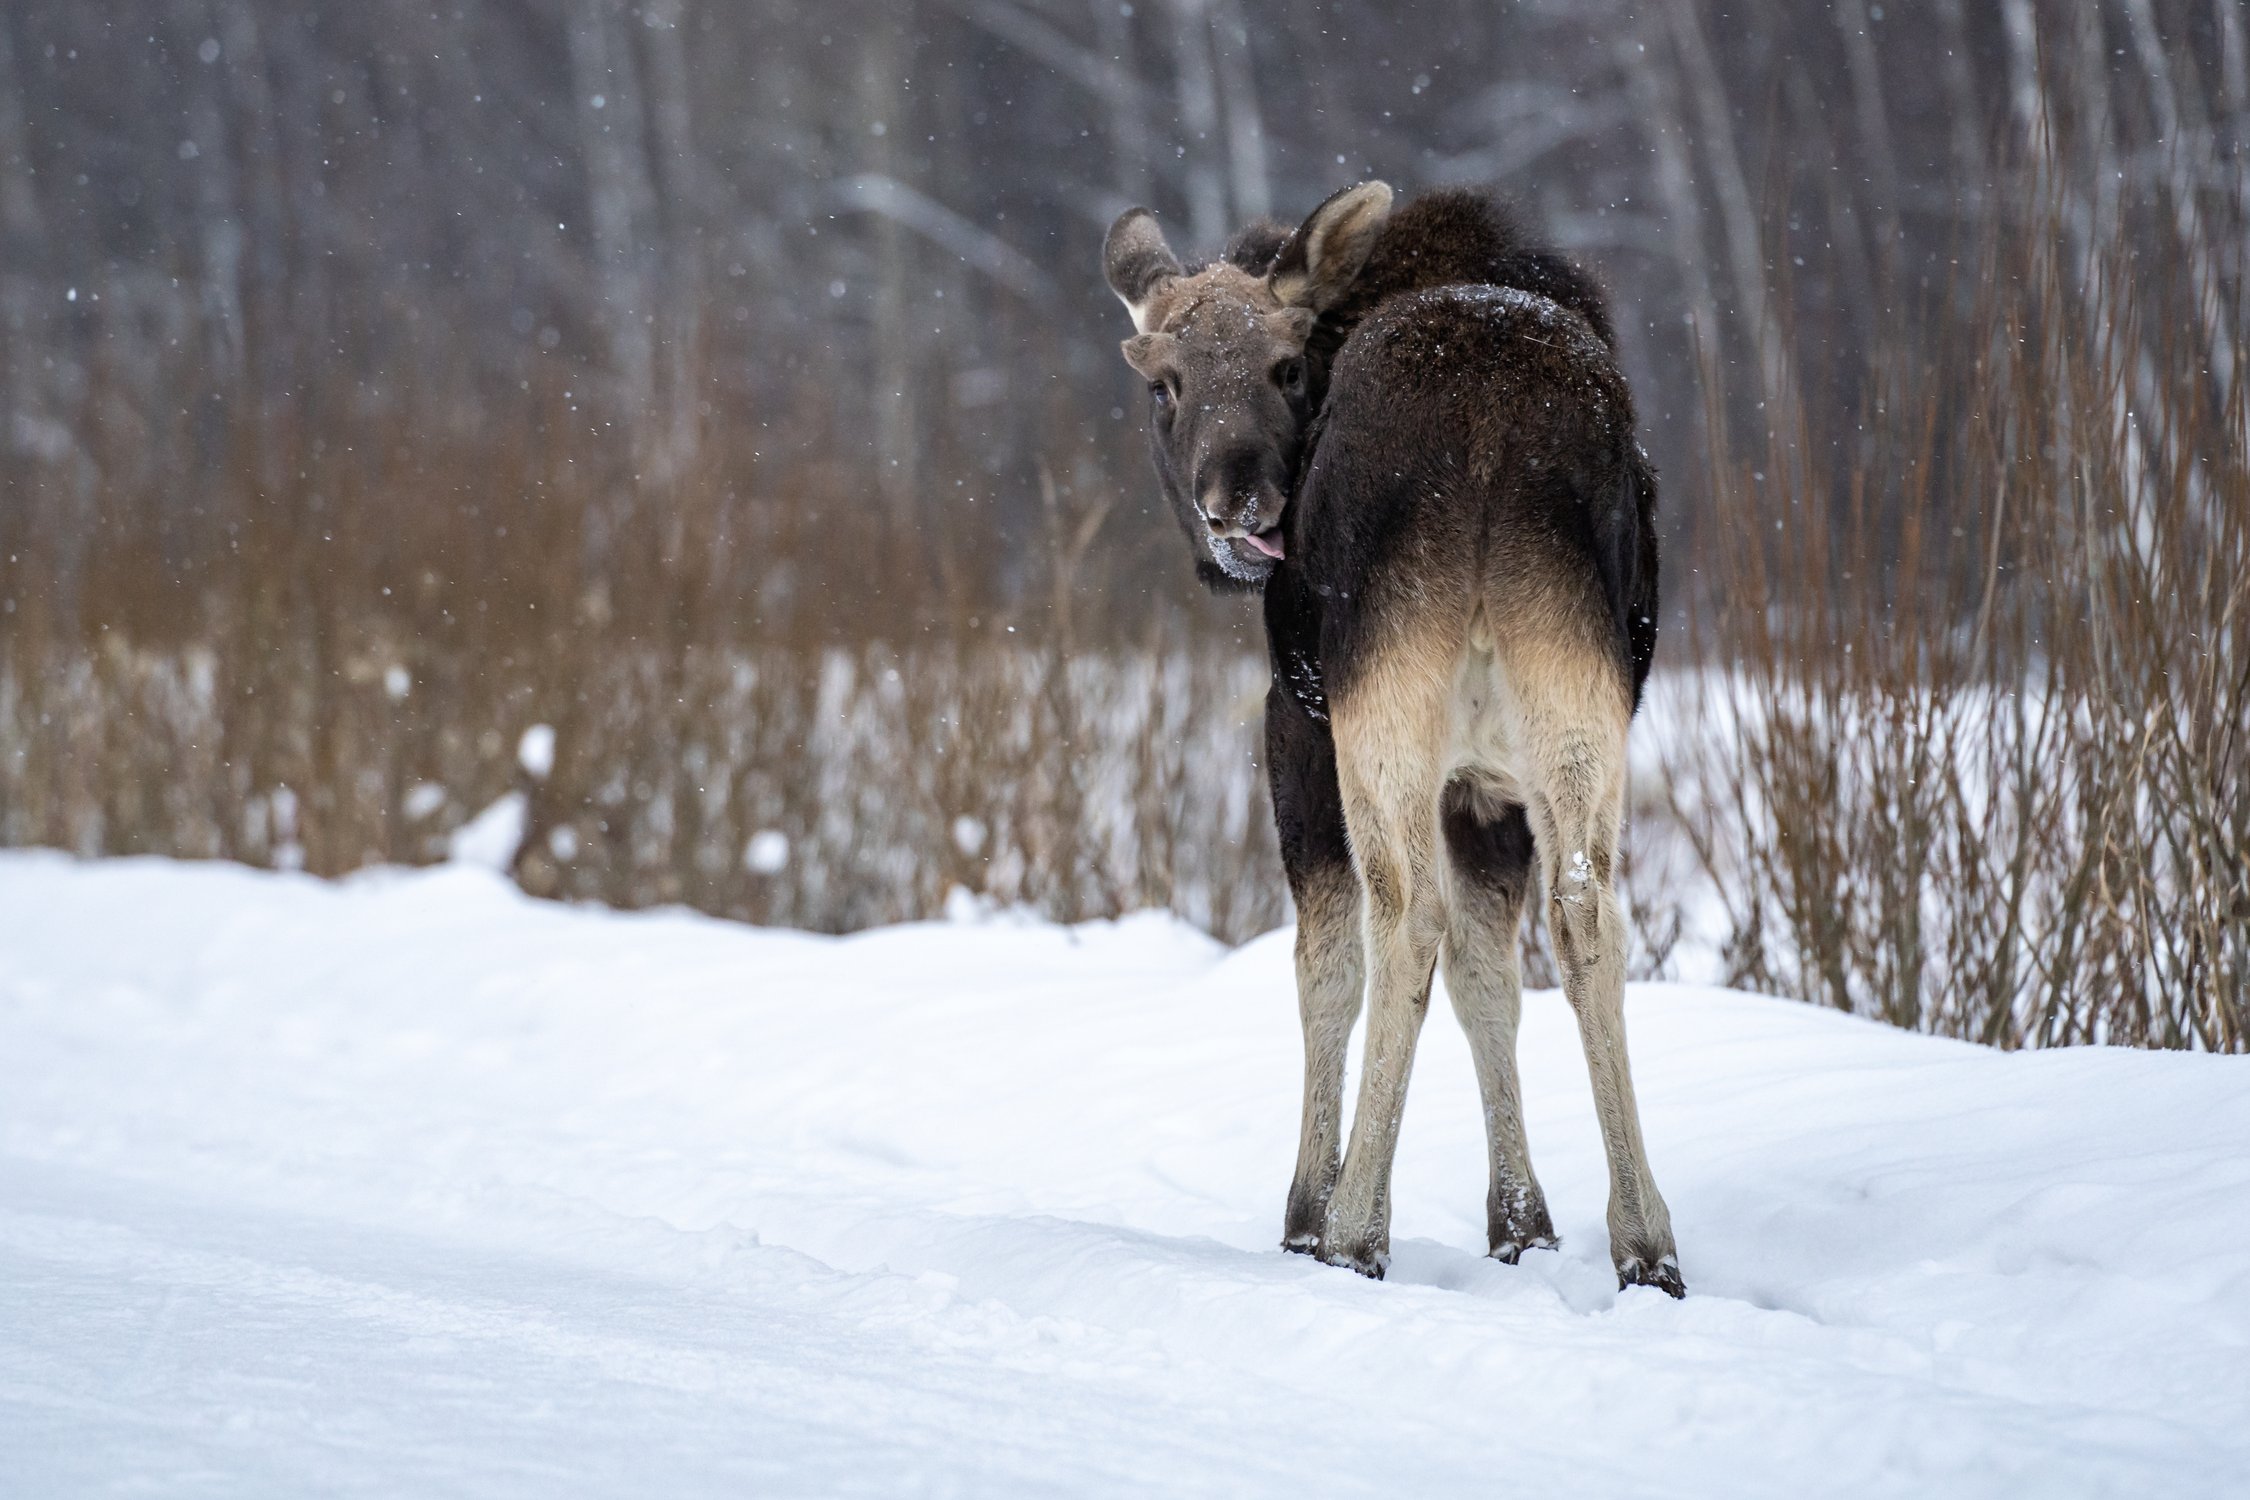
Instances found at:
x=411 y=1185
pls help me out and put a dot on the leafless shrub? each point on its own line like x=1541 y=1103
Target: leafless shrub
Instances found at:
x=1971 y=753
x=832 y=789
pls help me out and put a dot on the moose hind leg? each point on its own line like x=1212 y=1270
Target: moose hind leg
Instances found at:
x=1490 y=850
x=1576 y=815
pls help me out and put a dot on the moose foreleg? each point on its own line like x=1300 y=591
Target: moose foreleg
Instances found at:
x=1309 y=816
x=1330 y=982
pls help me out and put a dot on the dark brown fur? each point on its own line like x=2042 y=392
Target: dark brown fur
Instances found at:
x=1460 y=615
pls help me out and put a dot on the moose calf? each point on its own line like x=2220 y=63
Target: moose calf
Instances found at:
x=1410 y=432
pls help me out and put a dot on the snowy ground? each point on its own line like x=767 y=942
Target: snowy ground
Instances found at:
x=410 y=1186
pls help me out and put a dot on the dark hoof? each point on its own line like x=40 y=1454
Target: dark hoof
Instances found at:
x=1515 y=1220
x=1368 y=1263
x=1663 y=1274
x=1508 y=1252
x=1304 y=1218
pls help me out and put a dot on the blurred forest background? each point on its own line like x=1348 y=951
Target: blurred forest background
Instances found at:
x=726 y=395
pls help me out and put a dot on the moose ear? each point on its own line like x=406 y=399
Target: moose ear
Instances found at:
x=1145 y=352
x=1318 y=263
x=1138 y=263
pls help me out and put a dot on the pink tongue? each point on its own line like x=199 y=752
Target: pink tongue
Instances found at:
x=1268 y=542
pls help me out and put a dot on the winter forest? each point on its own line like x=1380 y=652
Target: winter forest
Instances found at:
x=704 y=422
x=633 y=864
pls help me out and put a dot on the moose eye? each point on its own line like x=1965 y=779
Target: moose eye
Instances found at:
x=1161 y=394
x=1290 y=376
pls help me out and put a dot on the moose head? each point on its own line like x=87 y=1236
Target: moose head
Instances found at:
x=1224 y=349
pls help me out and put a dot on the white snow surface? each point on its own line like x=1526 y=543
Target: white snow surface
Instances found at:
x=409 y=1185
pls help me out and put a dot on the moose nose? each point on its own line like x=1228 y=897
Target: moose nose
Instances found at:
x=1230 y=509
x=1241 y=513
x=1255 y=521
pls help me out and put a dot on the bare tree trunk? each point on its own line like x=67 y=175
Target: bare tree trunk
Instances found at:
x=1738 y=217
x=897 y=477
x=1655 y=95
x=1319 y=100
x=1865 y=70
x=1128 y=125
x=1657 y=100
x=2234 y=80
x=210 y=155
x=2095 y=127
x=19 y=197
x=1966 y=106
x=609 y=105
x=679 y=320
x=2234 y=54
x=1246 y=130
x=1866 y=285
x=2027 y=94
x=268 y=354
x=2093 y=224
x=2179 y=114
x=1199 y=120
x=29 y=383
